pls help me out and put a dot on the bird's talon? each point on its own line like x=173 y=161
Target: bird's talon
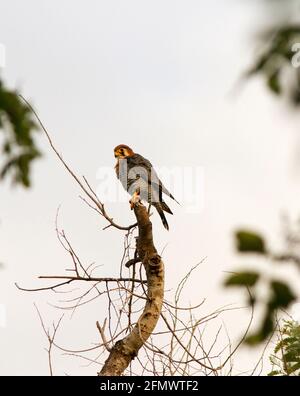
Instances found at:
x=135 y=199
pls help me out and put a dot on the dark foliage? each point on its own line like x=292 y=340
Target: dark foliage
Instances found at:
x=18 y=146
x=278 y=57
x=280 y=294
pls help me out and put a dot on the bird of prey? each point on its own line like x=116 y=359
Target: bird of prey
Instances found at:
x=138 y=176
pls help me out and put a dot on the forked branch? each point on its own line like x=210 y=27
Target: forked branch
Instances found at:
x=125 y=350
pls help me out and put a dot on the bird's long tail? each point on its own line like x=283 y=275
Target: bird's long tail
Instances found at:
x=171 y=196
x=160 y=209
x=165 y=207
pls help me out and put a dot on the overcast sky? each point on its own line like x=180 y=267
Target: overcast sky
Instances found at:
x=160 y=76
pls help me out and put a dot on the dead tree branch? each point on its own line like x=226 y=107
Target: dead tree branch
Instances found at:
x=84 y=185
x=125 y=350
x=50 y=336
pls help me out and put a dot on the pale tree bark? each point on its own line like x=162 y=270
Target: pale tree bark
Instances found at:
x=125 y=350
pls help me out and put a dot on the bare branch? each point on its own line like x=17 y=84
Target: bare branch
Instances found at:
x=87 y=190
x=50 y=337
x=102 y=334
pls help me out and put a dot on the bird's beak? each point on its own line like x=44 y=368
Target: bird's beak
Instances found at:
x=116 y=155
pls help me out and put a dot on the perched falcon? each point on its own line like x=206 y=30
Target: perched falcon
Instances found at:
x=137 y=175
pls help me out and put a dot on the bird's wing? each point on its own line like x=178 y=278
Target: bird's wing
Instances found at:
x=152 y=178
x=157 y=184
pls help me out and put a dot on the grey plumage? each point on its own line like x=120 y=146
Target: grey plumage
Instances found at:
x=136 y=173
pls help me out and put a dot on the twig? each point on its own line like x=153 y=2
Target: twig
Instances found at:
x=89 y=192
x=102 y=334
x=49 y=337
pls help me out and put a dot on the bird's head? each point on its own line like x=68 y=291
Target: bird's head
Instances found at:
x=122 y=151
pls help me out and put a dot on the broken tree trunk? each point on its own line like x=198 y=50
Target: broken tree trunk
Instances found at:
x=125 y=350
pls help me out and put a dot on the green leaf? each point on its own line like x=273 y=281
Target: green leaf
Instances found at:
x=242 y=279
x=285 y=343
x=287 y=350
x=276 y=58
x=264 y=331
x=273 y=373
x=291 y=357
x=274 y=82
x=282 y=295
x=247 y=241
x=294 y=368
x=18 y=146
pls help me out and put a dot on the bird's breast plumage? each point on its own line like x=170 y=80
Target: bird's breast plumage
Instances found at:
x=117 y=169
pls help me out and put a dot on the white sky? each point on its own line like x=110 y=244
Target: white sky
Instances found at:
x=160 y=77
